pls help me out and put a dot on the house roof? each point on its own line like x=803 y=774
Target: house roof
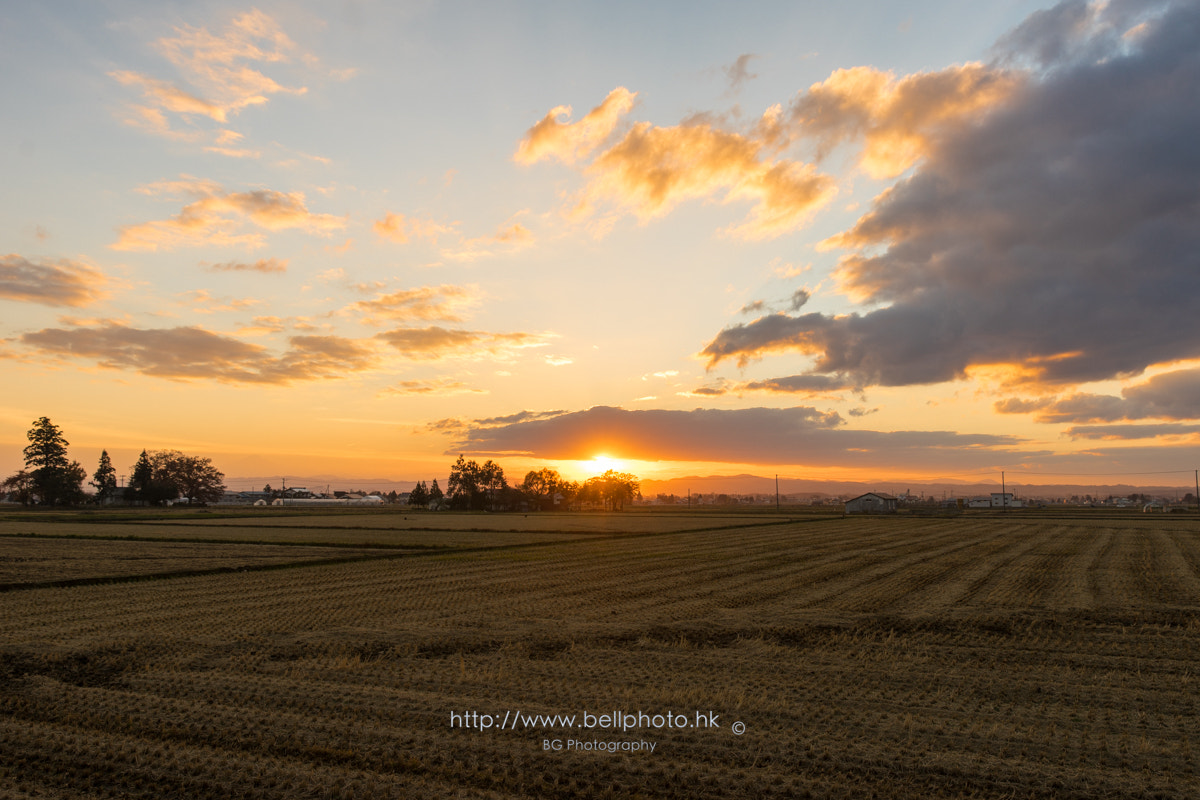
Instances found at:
x=880 y=495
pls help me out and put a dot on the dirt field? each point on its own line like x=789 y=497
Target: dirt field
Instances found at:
x=895 y=657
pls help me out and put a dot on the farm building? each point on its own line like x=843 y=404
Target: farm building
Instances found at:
x=872 y=503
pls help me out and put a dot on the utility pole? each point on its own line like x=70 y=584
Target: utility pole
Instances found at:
x=1197 y=489
x=777 y=491
x=1003 y=495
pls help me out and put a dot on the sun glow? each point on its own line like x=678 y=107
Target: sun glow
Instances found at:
x=601 y=464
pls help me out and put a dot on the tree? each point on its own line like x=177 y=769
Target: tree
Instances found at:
x=105 y=479
x=191 y=477
x=473 y=486
x=435 y=494
x=143 y=487
x=57 y=480
x=542 y=485
x=419 y=496
x=20 y=487
x=612 y=488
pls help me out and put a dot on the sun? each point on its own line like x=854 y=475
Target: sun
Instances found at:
x=601 y=463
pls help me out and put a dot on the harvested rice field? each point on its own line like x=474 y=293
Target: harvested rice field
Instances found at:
x=673 y=656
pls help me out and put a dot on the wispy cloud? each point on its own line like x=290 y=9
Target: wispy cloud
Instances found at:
x=438 y=387
x=401 y=229
x=219 y=218
x=434 y=342
x=219 y=75
x=443 y=303
x=264 y=265
x=51 y=283
x=739 y=71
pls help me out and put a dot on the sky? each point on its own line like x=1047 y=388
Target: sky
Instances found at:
x=857 y=240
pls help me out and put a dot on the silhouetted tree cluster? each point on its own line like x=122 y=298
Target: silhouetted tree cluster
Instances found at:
x=476 y=487
x=165 y=475
x=542 y=487
x=612 y=489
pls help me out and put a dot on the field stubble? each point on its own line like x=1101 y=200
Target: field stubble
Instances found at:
x=894 y=657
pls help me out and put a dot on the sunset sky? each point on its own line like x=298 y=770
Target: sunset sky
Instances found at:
x=863 y=240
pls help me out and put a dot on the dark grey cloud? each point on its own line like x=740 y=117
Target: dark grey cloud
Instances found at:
x=1058 y=234
x=798 y=435
x=1170 y=395
x=739 y=71
x=1132 y=431
x=800 y=384
x=50 y=283
x=520 y=416
x=192 y=353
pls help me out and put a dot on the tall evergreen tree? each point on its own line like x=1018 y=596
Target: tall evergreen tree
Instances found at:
x=141 y=480
x=435 y=492
x=105 y=479
x=57 y=479
x=419 y=496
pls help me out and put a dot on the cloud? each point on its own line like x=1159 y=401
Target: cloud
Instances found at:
x=265 y=265
x=1109 y=432
x=898 y=119
x=752 y=307
x=510 y=236
x=223 y=75
x=445 y=303
x=801 y=384
x=510 y=419
x=653 y=169
x=1041 y=238
x=401 y=230
x=738 y=72
x=1170 y=395
x=217 y=218
x=799 y=435
x=193 y=353
x=438 y=387
x=202 y=302
x=51 y=283
x=434 y=342
x=568 y=142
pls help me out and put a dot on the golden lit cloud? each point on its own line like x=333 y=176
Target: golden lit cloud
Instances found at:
x=445 y=303
x=51 y=283
x=567 y=141
x=434 y=342
x=510 y=237
x=217 y=218
x=652 y=169
x=401 y=229
x=438 y=387
x=264 y=265
x=897 y=118
x=202 y=302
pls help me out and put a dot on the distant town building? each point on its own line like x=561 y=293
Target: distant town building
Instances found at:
x=872 y=503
